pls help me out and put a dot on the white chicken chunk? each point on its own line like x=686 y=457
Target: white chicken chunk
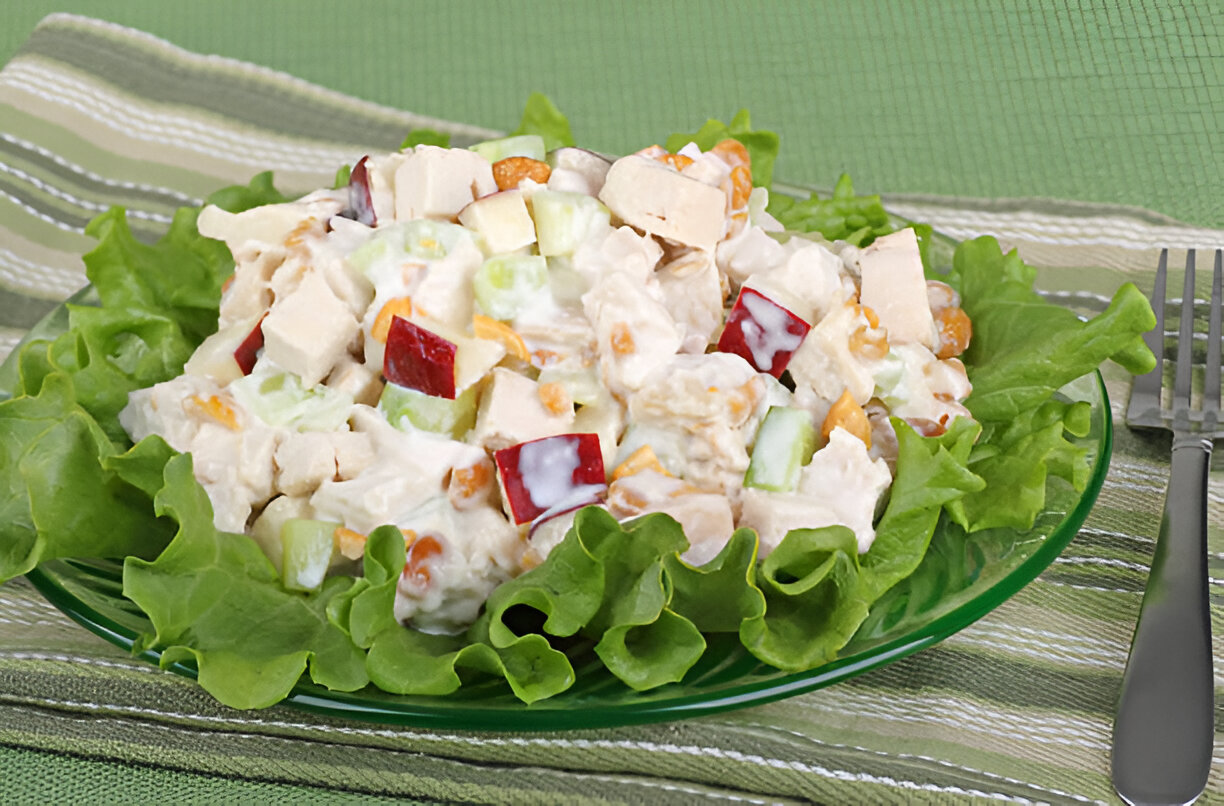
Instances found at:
x=434 y=182
x=407 y=469
x=707 y=518
x=514 y=409
x=704 y=401
x=808 y=282
x=833 y=359
x=842 y=485
x=750 y=251
x=480 y=550
x=893 y=285
x=634 y=332
x=308 y=331
x=692 y=292
x=654 y=198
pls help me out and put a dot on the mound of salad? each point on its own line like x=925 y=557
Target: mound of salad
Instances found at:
x=434 y=422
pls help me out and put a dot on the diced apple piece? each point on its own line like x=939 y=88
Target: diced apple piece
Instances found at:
x=429 y=412
x=762 y=332
x=522 y=145
x=502 y=219
x=893 y=285
x=419 y=359
x=548 y=476
x=228 y=354
x=307 y=547
x=784 y=444
x=360 y=201
x=577 y=170
x=247 y=353
x=505 y=284
x=564 y=220
x=649 y=195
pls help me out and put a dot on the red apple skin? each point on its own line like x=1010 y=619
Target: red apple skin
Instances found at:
x=247 y=353
x=735 y=340
x=419 y=359
x=360 y=200
x=590 y=471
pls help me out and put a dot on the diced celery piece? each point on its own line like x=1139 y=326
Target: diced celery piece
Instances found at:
x=564 y=219
x=266 y=530
x=784 y=444
x=427 y=412
x=279 y=398
x=307 y=547
x=505 y=284
x=420 y=238
x=523 y=145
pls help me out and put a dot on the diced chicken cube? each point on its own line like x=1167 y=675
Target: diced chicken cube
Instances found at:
x=250 y=290
x=354 y=452
x=705 y=400
x=749 y=252
x=621 y=249
x=480 y=549
x=512 y=411
x=408 y=469
x=303 y=462
x=434 y=182
x=634 y=332
x=893 y=285
x=842 y=485
x=649 y=195
x=840 y=353
x=361 y=381
x=444 y=293
x=807 y=282
x=309 y=331
x=270 y=224
x=503 y=219
x=707 y=518
x=693 y=294
x=916 y=385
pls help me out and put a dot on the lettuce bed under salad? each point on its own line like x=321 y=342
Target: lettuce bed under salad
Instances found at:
x=76 y=487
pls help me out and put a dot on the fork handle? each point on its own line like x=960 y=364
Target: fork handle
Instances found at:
x=1163 y=732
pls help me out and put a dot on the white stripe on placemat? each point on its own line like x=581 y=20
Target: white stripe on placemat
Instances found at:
x=1088 y=230
x=158 y=125
x=38 y=279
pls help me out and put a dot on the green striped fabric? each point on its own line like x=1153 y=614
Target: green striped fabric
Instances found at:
x=1016 y=708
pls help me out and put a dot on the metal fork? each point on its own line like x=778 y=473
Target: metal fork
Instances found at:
x=1163 y=732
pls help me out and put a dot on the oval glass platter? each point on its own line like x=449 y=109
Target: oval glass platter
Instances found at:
x=961 y=578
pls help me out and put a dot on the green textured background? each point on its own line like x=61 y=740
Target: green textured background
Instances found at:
x=922 y=98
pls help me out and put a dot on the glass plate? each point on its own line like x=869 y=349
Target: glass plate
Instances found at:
x=961 y=578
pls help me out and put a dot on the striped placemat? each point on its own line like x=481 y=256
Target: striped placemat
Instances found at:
x=1016 y=708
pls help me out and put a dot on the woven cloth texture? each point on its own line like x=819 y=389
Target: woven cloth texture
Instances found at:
x=1017 y=707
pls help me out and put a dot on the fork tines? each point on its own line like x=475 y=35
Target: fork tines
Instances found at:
x=1145 y=407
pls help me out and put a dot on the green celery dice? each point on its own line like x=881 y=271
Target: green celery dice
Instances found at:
x=306 y=552
x=453 y=418
x=785 y=443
